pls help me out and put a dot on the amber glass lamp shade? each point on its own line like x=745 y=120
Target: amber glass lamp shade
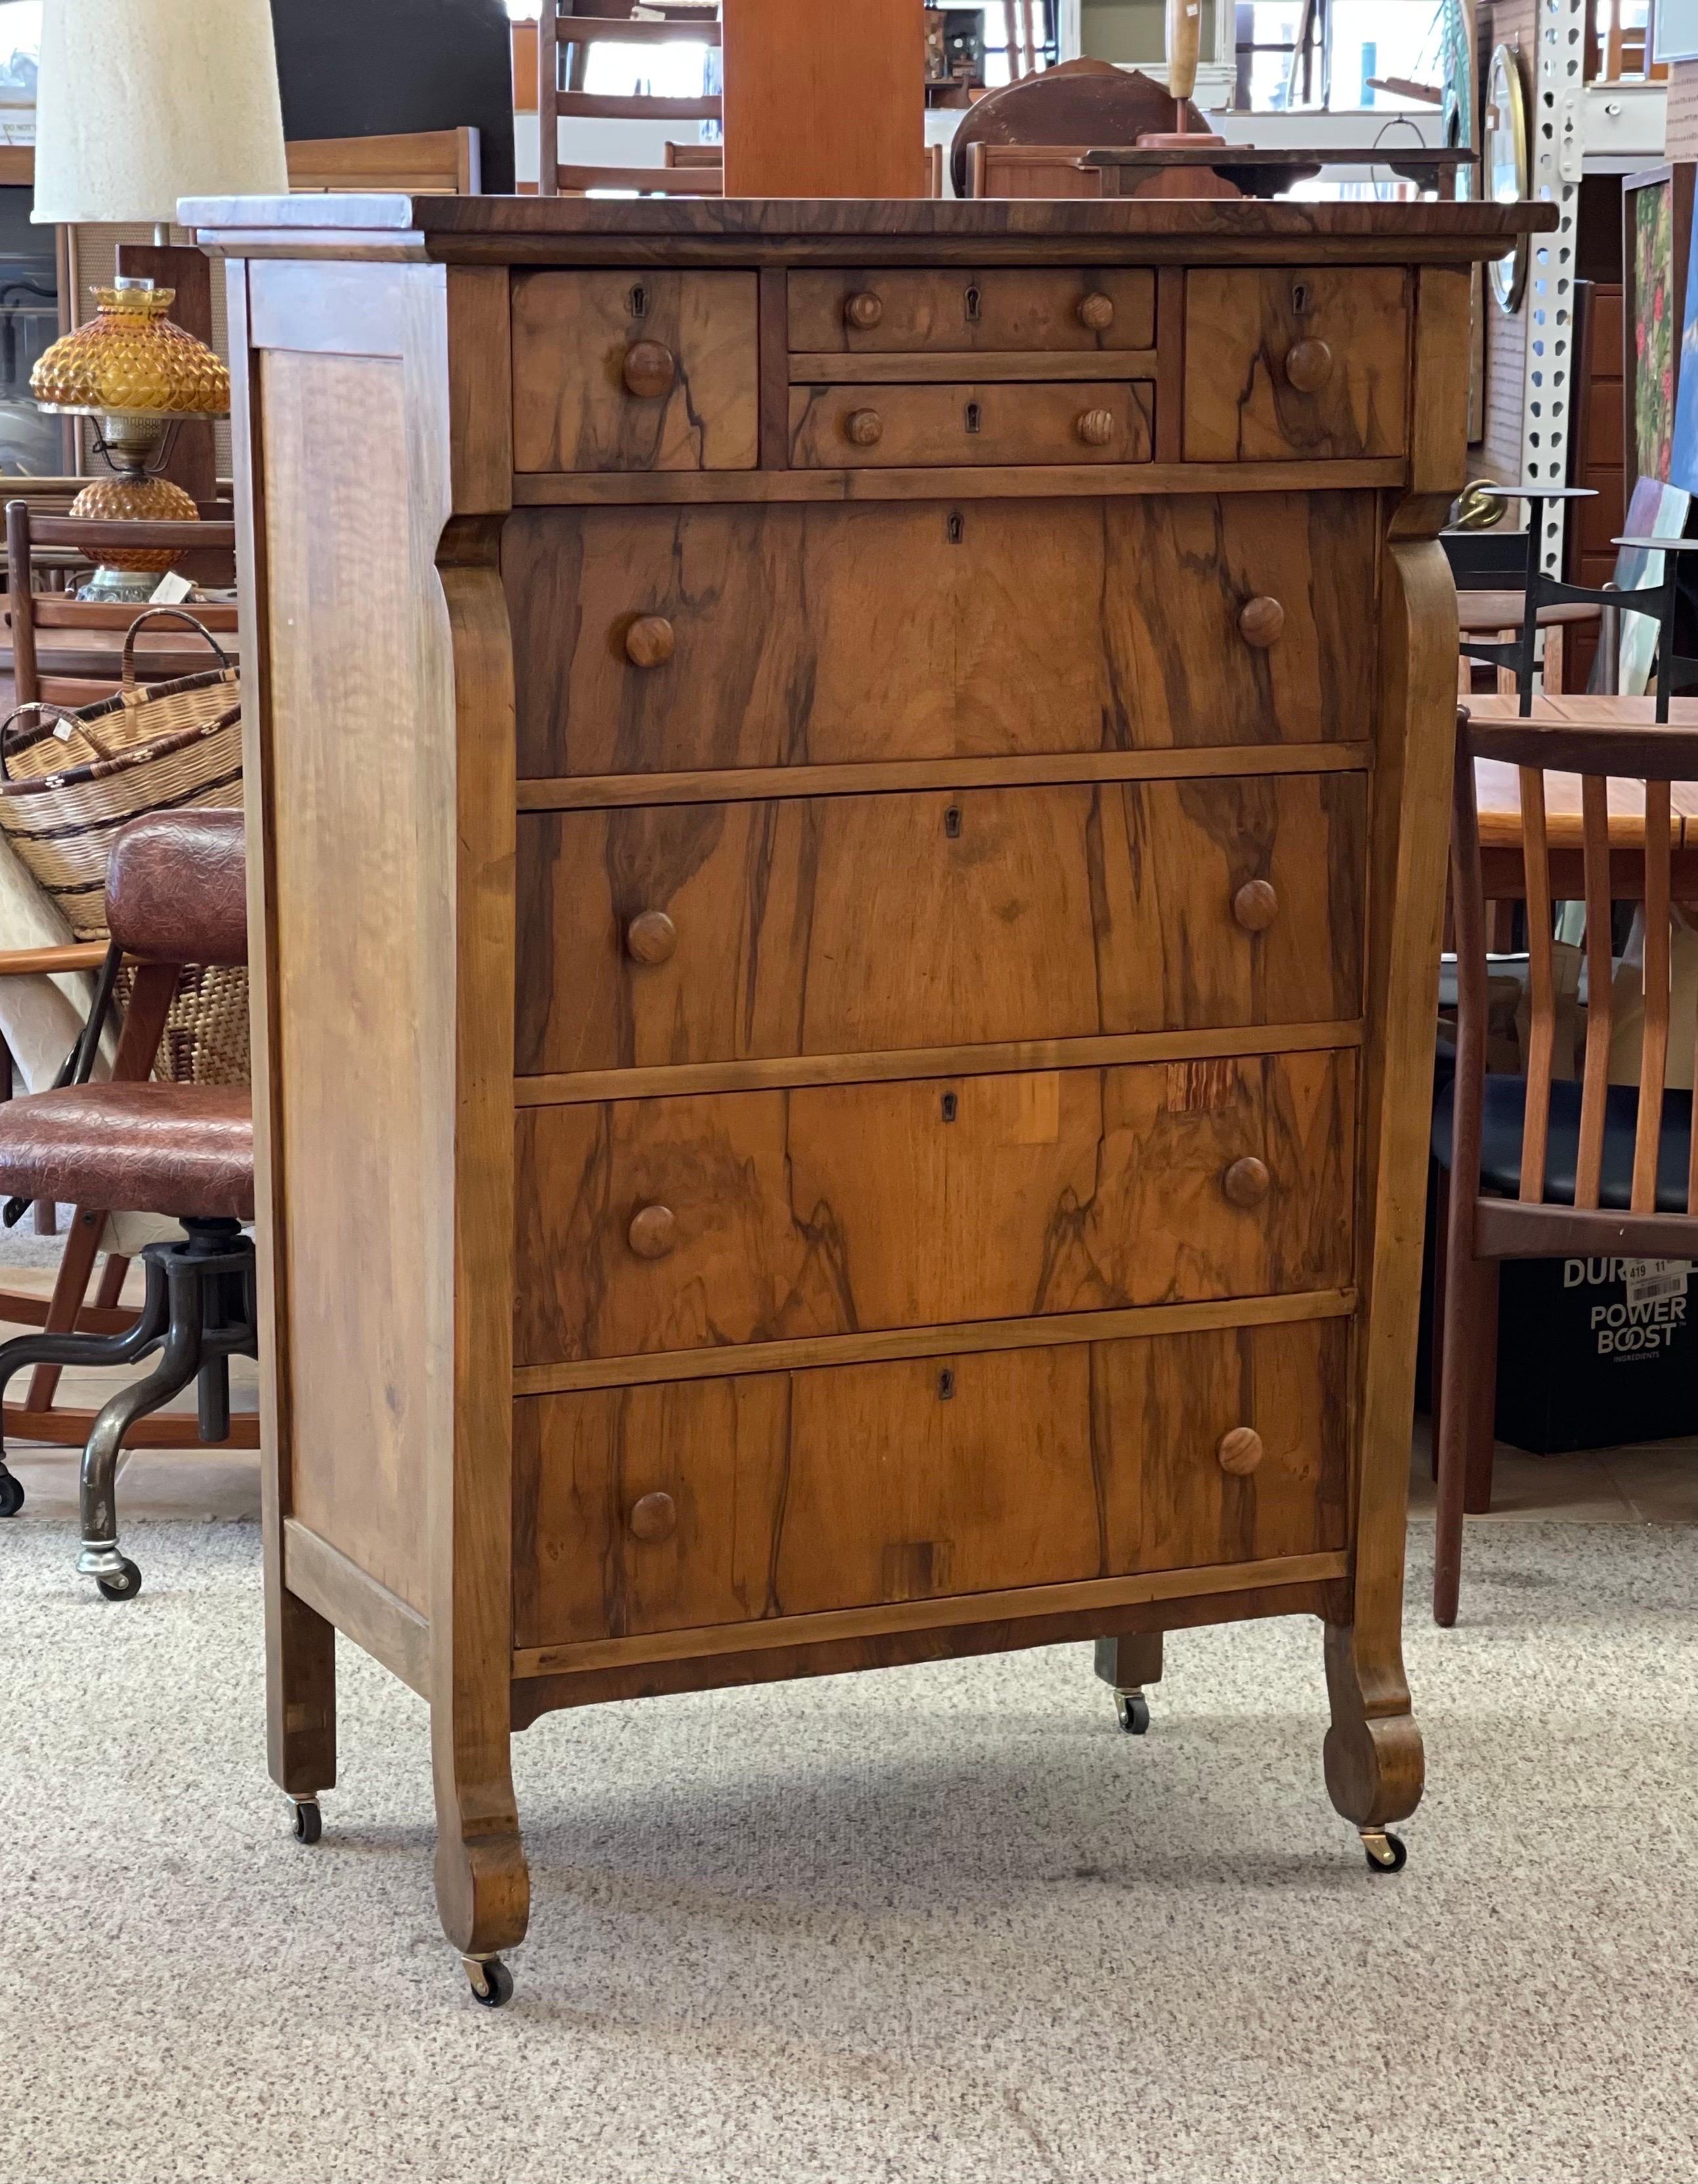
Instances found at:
x=137 y=371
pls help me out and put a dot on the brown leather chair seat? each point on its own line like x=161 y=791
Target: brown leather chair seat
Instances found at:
x=182 y=1149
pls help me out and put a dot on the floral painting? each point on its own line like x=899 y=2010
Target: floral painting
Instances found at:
x=1655 y=333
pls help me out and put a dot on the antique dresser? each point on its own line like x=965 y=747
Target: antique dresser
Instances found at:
x=848 y=818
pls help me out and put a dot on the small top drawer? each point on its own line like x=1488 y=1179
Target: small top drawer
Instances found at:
x=1295 y=364
x=634 y=371
x=1003 y=421
x=862 y=311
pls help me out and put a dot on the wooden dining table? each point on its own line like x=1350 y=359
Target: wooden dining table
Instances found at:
x=1497 y=787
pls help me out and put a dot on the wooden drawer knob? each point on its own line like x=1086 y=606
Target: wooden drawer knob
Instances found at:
x=1096 y=427
x=653 y=1232
x=651 y=369
x=865 y=427
x=650 y=937
x=863 y=311
x=650 y=641
x=655 y=1516
x=1260 y=621
x=1308 y=366
x=1239 y=1451
x=1255 y=905
x=1246 y=1182
x=1095 y=311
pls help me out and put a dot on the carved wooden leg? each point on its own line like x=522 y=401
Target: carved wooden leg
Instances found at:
x=1372 y=1755
x=1129 y=1664
x=483 y=1886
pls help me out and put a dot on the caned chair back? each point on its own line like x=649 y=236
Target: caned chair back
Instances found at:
x=1621 y=771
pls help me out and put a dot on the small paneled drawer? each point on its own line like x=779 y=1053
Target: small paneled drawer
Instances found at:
x=708 y=932
x=634 y=371
x=894 y=427
x=1295 y=363
x=649 y=1225
x=656 y=640
x=895 y=311
x=728 y=1501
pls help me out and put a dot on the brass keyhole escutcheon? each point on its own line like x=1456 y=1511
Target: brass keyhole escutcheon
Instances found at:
x=975 y=416
x=972 y=300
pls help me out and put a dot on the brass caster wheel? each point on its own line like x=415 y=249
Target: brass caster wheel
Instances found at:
x=309 y=1821
x=492 y=1983
x=1385 y=1852
x=11 y=1493
x=1133 y=1710
x=123 y=1583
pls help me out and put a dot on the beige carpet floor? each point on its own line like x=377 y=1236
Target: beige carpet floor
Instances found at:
x=944 y=1924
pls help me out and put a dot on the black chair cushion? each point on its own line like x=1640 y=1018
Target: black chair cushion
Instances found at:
x=1502 y=1116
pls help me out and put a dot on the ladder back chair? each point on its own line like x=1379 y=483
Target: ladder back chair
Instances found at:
x=1542 y=1167
x=594 y=22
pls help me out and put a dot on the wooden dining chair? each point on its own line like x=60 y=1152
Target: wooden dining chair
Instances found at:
x=1542 y=1167
x=562 y=25
x=208 y=549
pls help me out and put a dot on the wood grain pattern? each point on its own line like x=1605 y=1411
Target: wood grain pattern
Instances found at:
x=789 y=617
x=972 y=309
x=828 y=925
x=1144 y=480
x=809 y=116
x=801 y=1493
x=827 y=1209
x=1240 y=329
x=573 y=409
x=991 y=421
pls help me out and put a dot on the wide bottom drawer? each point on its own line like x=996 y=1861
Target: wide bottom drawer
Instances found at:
x=706 y=1502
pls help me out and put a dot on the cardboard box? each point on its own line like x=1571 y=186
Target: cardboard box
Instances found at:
x=1596 y=1352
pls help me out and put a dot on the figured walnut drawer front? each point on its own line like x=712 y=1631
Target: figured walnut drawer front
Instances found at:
x=826 y=635
x=899 y=427
x=768 y=1494
x=634 y=371
x=1295 y=363
x=855 y=924
x=892 y=310
x=682 y=1223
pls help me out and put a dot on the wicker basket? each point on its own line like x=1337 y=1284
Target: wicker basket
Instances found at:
x=70 y=780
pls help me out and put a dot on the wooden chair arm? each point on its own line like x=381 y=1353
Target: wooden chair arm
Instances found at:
x=73 y=955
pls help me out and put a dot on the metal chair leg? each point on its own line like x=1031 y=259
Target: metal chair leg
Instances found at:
x=73 y=1349
x=118 y=1578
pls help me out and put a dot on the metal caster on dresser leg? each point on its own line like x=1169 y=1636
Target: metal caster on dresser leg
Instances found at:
x=1385 y=1852
x=1133 y=1710
x=11 y=1493
x=492 y=1983
x=309 y=1821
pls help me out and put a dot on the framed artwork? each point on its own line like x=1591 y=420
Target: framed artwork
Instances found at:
x=1656 y=235
x=1683 y=453
x=1655 y=510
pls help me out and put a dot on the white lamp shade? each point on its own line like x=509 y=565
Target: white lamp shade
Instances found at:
x=142 y=102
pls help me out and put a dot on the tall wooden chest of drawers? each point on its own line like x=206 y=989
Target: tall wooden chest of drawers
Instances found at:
x=847 y=815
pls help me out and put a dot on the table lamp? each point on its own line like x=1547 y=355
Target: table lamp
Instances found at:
x=139 y=103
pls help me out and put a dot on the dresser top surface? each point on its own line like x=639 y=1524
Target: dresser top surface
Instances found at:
x=486 y=229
